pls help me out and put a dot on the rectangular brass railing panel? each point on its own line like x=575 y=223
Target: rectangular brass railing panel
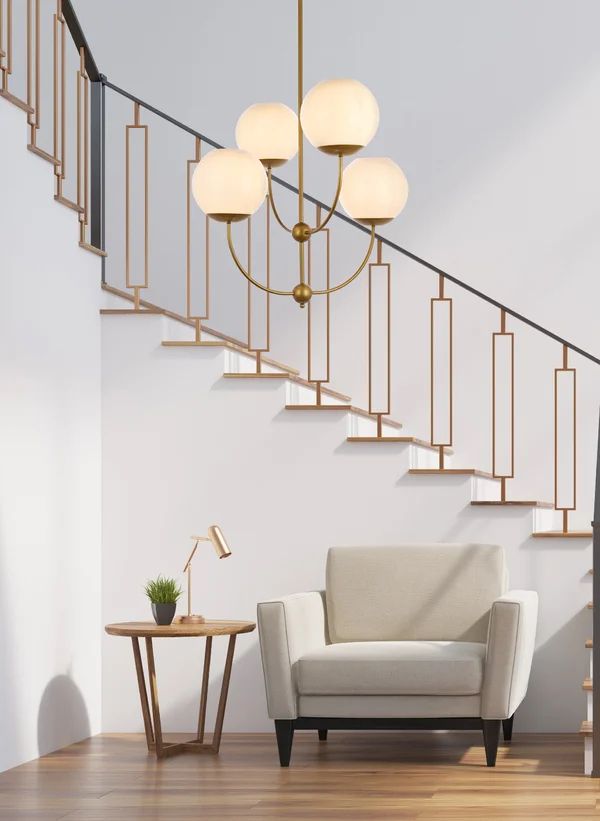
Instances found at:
x=441 y=442
x=311 y=320
x=379 y=410
x=135 y=286
x=189 y=266
x=259 y=349
x=566 y=375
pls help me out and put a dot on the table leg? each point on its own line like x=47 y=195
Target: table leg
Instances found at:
x=204 y=691
x=223 y=699
x=154 y=697
x=139 y=669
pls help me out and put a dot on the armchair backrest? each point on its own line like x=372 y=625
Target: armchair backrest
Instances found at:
x=435 y=592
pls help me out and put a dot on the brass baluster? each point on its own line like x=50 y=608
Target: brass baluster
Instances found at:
x=82 y=146
x=259 y=350
x=128 y=280
x=309 y=315
x=498 y=339
x=434 y=302
x=60 y=102
x=565 y=369
x=33 y=76
x=7 y=55
x=197 y=318
x=380 y=412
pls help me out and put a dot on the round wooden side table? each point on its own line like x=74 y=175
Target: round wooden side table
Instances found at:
x=148 y=630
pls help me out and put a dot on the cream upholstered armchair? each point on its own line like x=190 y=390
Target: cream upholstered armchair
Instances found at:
x=408 y=637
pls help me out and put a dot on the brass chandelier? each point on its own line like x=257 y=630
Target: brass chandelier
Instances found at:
x=338 y=117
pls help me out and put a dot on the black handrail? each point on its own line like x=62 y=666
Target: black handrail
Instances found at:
x=450 y=277
x=78 y=36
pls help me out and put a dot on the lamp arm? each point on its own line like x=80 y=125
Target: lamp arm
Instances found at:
x=246 y=274
x=272 y=201
x=343 y=284
x=336 y=199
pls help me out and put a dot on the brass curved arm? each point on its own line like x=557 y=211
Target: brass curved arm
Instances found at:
x=273 y=206
x=356 y=273
x=336 y=199
x=246 y=274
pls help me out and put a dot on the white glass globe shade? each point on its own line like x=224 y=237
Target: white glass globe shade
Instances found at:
x=374 y=190
x=268 y=131
x=229 y=185
x=339 y=114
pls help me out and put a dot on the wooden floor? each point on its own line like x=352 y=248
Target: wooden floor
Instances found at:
x=351 y=776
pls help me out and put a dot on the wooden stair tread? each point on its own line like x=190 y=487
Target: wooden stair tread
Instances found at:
x=516 y=503
x=346 y=409
x=559 y=534
x=293 y=377
x=411 y=440
x=586 y=727
x=129 y=311
x=236 y=344
x=588 y=684
x=452 y=472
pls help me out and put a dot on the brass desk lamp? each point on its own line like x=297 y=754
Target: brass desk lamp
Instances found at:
x=216 y=538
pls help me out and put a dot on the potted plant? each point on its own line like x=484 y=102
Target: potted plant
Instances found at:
x=163 y=593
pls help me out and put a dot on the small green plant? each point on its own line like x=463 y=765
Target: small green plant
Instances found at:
x=162 y=591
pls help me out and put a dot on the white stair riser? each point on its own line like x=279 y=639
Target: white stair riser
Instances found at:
x=587 y=755
x=298 y=394
x=546 y=519
x=484 y=489
x=422 y=457
x=240 y=362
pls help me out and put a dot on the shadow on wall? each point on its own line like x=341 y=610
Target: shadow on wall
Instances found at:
x=555 y=701
x=63 y=717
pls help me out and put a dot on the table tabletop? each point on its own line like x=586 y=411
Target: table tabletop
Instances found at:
x=149 y=629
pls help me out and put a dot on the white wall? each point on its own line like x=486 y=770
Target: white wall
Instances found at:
x=50 y=457
x=491 y=109
x=184 y=448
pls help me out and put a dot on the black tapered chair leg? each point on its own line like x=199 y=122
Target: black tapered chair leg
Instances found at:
x=322 y=735
x=507 y=727
x=284 y=730
x=491 y=736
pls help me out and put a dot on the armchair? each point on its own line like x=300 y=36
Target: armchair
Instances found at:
x=408 y=637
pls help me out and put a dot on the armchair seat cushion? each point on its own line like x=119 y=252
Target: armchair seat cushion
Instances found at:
x=392 y=668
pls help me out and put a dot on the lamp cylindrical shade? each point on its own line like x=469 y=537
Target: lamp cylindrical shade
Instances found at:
x=229 y=184
x=374 y=190
x=338 y=113
x=218 y=542
x=268 y=131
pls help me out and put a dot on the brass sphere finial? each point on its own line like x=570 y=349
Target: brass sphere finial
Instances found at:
x=301 y=232
x=302 y=293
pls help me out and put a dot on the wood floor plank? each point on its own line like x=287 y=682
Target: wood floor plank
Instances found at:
x=352 y=776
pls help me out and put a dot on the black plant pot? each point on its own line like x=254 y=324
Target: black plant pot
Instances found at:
x=163 y=613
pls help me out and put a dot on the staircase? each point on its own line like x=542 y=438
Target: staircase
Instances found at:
x=368 y=432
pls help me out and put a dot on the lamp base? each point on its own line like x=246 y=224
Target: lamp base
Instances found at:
x=191 y=619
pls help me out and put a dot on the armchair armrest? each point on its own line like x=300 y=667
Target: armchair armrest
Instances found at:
x=288 y=628
x=511 y=642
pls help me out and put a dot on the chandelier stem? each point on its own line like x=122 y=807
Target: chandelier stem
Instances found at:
x=300 y=96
